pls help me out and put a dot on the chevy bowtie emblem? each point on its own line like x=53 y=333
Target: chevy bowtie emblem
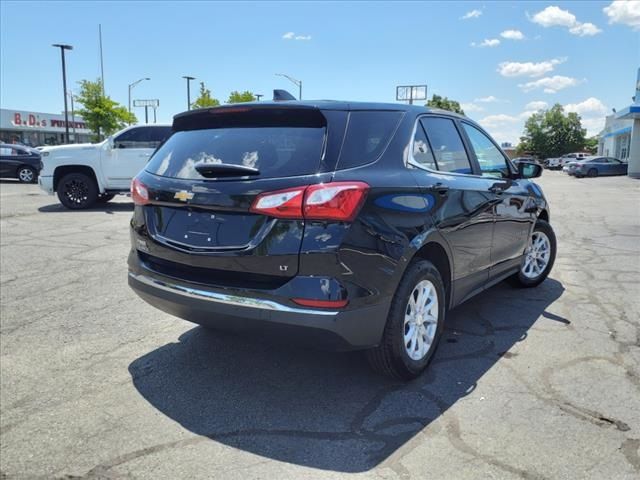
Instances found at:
x=183 y=195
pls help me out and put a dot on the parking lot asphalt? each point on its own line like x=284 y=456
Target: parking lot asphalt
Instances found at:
x=538 y=383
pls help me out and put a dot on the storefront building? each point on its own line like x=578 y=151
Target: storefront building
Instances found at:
x=615 y=139
x=621 y=135
x=37 y=128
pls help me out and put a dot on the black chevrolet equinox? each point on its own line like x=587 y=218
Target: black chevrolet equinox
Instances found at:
x=344 y=225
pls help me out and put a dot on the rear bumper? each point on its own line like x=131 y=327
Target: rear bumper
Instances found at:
x=236 y=310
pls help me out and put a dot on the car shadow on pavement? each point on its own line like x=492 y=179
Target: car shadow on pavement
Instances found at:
x=109 y=207
x=326 y=410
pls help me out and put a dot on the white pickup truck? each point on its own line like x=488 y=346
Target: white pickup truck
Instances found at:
x=559 y=162
x=84 y=174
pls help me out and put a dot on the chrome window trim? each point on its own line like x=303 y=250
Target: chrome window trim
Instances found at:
x=413 y=162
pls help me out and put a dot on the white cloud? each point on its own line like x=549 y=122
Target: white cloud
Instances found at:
x=553 y=16
x=471 y=14
x=489 y=99
x=471 y=107
x=512 y=35
x=589 y=107
x=501 y=119
x=593 y=125
x=487 y=42
x=529 y=69
x=293 y=36
x=536 y=105
x=585 y=29
x=624 y=12
x=550 y=84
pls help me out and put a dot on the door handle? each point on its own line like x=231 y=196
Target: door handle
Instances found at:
x=440 y=188
x=144 y=154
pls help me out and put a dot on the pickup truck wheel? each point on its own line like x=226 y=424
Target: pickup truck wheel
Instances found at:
x=27 y=174
x=414 y=325
x=77 y=191
x=105 y=198
x=538 y=258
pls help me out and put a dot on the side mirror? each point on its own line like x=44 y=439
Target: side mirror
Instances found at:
x=529 y=170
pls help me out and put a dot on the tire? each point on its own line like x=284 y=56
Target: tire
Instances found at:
x=27 y=174
x=391 y=357
x=529 y=277
x=592 y=172
x=77 y=191
x=106 y=198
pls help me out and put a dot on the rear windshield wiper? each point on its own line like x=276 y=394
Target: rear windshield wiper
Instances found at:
x=212 y=170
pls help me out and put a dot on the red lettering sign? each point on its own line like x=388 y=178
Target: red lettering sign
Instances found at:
x=17 y=120
x=32 y=120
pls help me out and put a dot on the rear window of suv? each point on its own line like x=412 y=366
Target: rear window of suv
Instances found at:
x=276 y=149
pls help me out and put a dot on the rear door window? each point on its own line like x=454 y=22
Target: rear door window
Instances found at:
x=276 y=151
x=367 y=137
x=447 y=145
x=157 y=135
x=422 y=153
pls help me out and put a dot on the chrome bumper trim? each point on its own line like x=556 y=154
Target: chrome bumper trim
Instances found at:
x=226 y=299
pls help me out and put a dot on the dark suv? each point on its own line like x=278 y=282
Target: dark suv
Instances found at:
x=348 y=225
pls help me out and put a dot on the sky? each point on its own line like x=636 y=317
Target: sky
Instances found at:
x=501 y=60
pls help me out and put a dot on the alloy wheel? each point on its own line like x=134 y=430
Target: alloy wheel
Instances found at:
x=76 y=191
x=537 y=255
x=25 y=175
x=421 y=320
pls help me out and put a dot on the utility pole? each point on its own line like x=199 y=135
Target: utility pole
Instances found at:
x=131 y=85
x=294 y=81
x=62 y=48
x=258 y=96
x=101 y=62
x=73 y=118
x=188 y=79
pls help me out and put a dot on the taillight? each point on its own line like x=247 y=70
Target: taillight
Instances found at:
x=139 y=192
x=334 y=201
x=281 y=204
x=326 y=201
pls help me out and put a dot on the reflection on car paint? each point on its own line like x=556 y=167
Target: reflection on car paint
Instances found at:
x=406 y=203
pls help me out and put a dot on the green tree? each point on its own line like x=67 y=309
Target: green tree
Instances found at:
x=591 y=144
x=552 y=133
x=445 y=104
x=237 y=97
x=102 y=115
x=205 y=99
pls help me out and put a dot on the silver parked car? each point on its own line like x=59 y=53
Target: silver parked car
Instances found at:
x=595 y=166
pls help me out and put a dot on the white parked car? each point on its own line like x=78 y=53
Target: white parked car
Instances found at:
x=559 y=162
x=84 y=174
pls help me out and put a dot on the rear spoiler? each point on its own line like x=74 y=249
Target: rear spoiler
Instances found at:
x=282 y=96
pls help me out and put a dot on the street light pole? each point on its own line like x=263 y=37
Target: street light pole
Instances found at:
x=131 y=85
x=73 y=117
x=62 y=48
x=188 y=79
x=294 y=81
